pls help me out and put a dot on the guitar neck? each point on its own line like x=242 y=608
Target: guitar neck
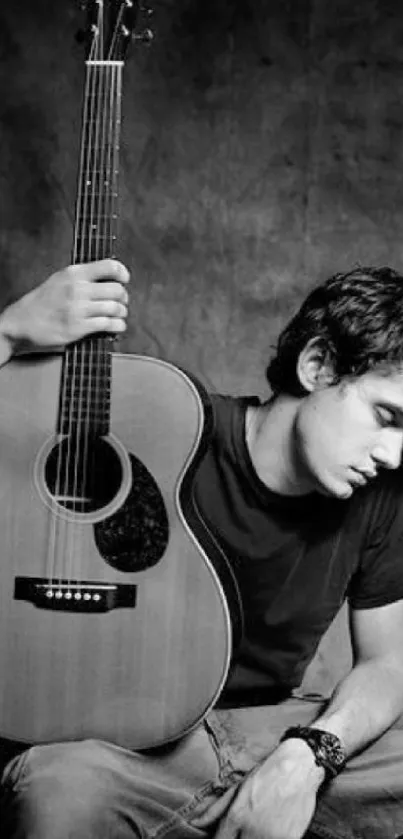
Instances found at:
x=84 y=402
x=95 y=227
x=85 y=387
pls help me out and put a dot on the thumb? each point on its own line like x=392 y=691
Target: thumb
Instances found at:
x=214 y=812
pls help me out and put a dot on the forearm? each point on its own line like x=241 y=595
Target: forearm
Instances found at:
x=365 y=704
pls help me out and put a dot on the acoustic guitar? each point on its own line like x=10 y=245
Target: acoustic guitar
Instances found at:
x=119 y=614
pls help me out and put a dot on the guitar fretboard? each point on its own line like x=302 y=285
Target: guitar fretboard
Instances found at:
x=85 y=389
x=96 y=212
x=84 y=405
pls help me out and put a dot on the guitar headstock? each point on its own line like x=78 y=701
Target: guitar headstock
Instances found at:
x=110 y=27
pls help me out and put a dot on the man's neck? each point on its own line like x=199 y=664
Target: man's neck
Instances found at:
x=269 y=433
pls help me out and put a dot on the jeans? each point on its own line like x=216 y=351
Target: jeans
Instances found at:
x=94 y=790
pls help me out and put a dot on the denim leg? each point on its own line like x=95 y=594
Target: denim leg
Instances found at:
x=364 y=802
x=92 y=789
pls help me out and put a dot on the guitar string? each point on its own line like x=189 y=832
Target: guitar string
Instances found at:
x=89 y=386
x=105 y=172
x=103 y=248
x=110 y=128
x=102 y=236
x=111 y=168
x=74 y=425
x=85 y=384
x=93 y=350
x=73 y=547
x=84 y=350
x=104 y=243
x=75 y=352
x=56 y=521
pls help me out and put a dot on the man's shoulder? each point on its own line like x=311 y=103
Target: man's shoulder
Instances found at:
x=379 y=502
x=225 y=404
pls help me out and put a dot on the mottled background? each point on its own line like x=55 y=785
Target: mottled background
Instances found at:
x=261 y=150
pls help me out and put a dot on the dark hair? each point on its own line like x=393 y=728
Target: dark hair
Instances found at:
x=357 y=320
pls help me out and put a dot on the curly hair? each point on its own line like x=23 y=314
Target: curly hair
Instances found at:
x=356 y=319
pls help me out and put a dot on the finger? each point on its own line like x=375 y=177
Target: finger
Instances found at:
x=105 y=308
x=227 y=829
x=217 y=810
x=107 y=291
x=103 y=269
x=104 y=324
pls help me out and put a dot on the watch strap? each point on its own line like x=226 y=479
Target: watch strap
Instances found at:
x=328 y=750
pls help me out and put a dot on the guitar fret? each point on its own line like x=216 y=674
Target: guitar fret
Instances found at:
x=83 y=416
x=99 y=237
x=86 y=402
x=85 y=383
x=86 y=408
x=84 y=421
x=96 y=194
x=81 y=407
x=80 y=402
x=98 y=430
x=81 y=378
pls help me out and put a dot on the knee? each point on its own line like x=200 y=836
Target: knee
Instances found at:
x=61 y=790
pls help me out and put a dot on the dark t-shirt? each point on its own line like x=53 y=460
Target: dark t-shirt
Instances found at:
x=296 y=559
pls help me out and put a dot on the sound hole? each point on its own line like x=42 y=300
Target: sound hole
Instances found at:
x=83 y=475
x=136 y=536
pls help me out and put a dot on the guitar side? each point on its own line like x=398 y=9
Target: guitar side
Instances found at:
x=146 y=667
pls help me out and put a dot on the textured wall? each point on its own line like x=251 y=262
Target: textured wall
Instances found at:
x=262 y=150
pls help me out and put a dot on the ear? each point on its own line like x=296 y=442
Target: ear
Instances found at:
x=314 y=368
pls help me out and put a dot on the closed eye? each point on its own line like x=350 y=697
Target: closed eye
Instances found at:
x=386 y=416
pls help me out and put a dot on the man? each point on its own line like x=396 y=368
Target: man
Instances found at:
x=302 y=492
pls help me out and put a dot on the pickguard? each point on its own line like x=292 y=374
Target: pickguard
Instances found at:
x=136 y=536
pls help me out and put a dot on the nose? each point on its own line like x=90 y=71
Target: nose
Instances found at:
x=388 y=450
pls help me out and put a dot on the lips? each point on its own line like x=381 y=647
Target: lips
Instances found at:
x=358 y=478
x=362 y=476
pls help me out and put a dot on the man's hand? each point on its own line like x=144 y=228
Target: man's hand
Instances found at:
x=276 y=801
x=67 y=306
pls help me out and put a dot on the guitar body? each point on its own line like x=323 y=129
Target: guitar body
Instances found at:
x=114 y=622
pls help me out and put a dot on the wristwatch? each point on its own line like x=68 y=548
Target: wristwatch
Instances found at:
x=327 y=748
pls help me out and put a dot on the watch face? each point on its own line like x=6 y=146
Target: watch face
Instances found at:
x=333 y=749
x=328 y=750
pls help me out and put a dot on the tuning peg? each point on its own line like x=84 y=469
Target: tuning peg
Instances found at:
x=145 y=37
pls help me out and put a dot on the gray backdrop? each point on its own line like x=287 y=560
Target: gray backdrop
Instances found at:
x=261 y=151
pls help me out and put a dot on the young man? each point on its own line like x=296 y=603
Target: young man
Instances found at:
x=304 y=493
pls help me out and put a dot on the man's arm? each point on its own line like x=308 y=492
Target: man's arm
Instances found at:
x=278 y=800
x=370 y=698
x=70 y=304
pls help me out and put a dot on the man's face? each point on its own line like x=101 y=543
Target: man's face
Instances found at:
x=346 y=433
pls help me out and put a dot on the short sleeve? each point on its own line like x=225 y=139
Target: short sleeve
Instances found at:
x=378 y=579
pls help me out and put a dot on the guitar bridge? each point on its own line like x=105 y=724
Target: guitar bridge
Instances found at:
x=74 y=595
